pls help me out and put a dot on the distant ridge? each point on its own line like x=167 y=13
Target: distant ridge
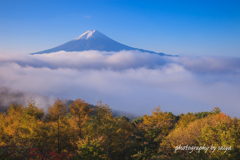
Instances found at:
x=93 y=40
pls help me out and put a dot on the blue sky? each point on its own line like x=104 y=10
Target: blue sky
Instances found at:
x=173 y=27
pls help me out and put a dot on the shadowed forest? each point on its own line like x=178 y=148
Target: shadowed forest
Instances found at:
x=91 y=132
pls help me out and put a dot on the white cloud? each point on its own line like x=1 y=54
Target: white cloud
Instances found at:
x=129 y=80
x=99 y=60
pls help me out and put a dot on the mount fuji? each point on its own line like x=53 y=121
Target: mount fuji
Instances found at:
x=93 y=40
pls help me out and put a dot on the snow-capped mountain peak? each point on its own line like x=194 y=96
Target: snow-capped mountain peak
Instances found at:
x=86 y=35
x=93 y=40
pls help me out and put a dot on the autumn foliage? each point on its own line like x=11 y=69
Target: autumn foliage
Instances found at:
x=86 y=132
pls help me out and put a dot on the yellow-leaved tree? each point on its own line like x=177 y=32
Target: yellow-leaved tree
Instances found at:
x=22 y=125
x=214 y=130
x=80 y=111
x=58 y=135
x=153 y=128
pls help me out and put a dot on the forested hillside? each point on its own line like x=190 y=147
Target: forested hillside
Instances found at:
x=86 y=132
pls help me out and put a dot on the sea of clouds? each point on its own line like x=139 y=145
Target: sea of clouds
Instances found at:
x=130 y=81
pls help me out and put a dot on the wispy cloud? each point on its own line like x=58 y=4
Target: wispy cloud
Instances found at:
x=87 y=16
x=9 y=96
x=212 y=65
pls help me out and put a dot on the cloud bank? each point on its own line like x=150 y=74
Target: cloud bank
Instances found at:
x=129 y=80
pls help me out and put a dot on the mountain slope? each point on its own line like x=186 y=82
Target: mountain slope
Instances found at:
x=92 y=40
